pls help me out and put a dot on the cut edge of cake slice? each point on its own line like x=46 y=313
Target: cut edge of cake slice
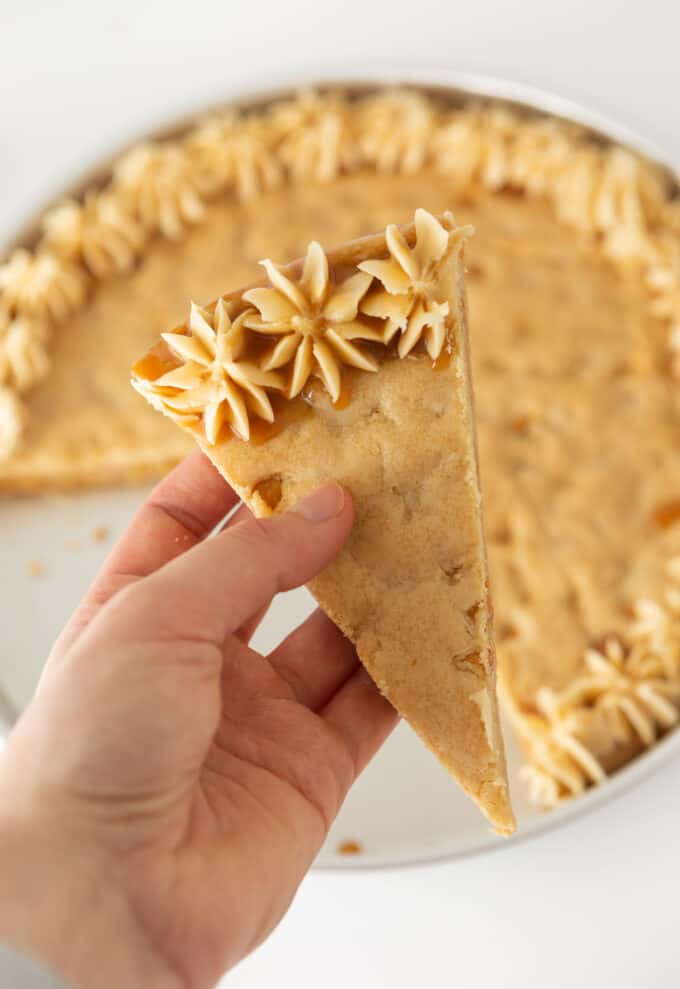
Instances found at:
x=354 y=366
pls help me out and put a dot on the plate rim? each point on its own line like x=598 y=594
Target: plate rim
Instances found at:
x=351 y=75
x=613 y=787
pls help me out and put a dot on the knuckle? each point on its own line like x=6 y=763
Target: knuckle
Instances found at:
x=253 y=544
x=129 y=596
x=111 y=587
x=247 y=536
x=337 y=771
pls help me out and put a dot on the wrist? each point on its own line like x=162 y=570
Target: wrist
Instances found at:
x=61 y=902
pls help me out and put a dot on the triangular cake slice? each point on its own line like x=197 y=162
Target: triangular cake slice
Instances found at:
x=354 y=366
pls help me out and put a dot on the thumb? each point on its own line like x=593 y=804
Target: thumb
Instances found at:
x=220 y=583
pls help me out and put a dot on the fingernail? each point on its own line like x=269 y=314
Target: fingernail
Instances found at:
x=322 y=505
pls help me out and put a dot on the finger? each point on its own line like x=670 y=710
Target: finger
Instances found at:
x=180 y=511
x=223 y=582
x=315 y=660
x=242 y=514
x=251 y=625
x=362 y=717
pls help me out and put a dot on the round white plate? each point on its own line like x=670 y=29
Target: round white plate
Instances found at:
x=404 y=808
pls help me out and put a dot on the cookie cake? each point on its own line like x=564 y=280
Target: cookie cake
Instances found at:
x=573 y=280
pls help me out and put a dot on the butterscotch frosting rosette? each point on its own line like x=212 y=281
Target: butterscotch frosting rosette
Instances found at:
x=404 y=296
x=316 y=138
x=37 y=291
x=235 y=151
x=395 y=131
x=41 y=285
x=316 y=322
x=627 y=696
x=213 y=382
x=158 y=186
x=99 y=233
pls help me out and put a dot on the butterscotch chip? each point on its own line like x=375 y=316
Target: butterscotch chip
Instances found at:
x=667 y=513
x=270 y=491
x=410 y=589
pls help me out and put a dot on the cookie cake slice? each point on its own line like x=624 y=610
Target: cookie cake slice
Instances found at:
x=354 y=365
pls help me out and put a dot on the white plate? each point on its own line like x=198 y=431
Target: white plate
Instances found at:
x=404 y=808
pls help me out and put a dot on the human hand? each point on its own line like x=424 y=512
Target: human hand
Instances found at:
x=168 y=787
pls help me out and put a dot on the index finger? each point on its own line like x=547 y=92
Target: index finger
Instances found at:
x=213 y=590
x=180 y=512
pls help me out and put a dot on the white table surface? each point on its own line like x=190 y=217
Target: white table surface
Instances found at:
x=594 y=904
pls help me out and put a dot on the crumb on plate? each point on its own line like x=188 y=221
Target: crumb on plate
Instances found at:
x=101 y=533
x=350 y=847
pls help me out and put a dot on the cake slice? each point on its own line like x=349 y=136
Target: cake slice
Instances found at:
x=354 y=365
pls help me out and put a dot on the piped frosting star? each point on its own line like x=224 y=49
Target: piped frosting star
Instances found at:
x=316 y=322
x=408 y=278
x=214 y=380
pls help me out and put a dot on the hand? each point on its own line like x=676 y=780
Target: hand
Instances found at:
x=168 y=787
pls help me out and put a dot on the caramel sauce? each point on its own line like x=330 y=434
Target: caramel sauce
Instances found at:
x=257 y=347
x=443 y=362
x=160 y=359
x=373 y=323
x=261 y=431
x=667 y=514
x=157 y=362
x=226 y=434
x=286 y=411
x=473 y=659
x=289 y=410
x=345 y=396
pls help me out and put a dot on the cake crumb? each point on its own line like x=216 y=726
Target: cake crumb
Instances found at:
x=350 y=847
x=100 y=534
x=34 y=568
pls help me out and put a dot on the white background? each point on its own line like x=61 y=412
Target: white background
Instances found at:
x=594 y=904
